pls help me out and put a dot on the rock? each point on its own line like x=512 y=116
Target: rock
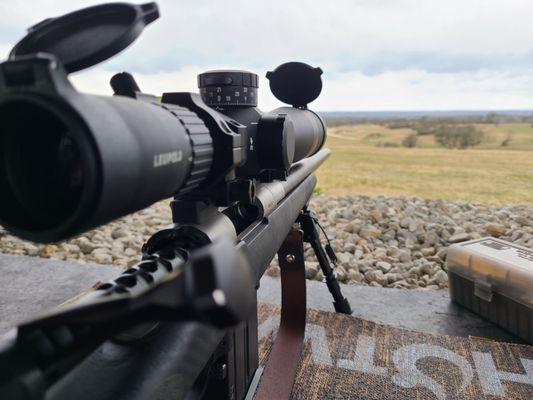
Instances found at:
x=440 y=278
x=340 y=273
x=332 y=233
x=376 y=276
x=48 y=250
x=355 y=276
x=349 y=227
x=410 y=243
x=428 y=251
x=319 y=276
x=524 y=221
x=350 y=248
x=100 y=250
x=119 y=233
x=70 y=248
x=344 y=258
x=380 y=241
x=358 y=254
x=496 y=230
x=103 y=258
x=30 y=249
x=383 y=266
x=404 y=256
x=459 y=237
x=364 y=266
x=273 y=271
x=393 y=251
x=458 y=229
x=432 y=238
x=413 y=225
x=380 y=254
x=369 y=232
x=311 y=270
x=393 y=277
x=130 y=252
x=85 y=245
x=376 y=215
x=405 y=222
x=401 y=284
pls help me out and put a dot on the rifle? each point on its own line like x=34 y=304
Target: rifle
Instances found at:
x=182 y=323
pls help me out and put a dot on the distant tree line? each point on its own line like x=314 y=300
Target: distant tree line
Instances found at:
x=402 y=123
x=450 y=132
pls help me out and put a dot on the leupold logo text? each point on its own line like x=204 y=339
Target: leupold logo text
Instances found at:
x=160 y=160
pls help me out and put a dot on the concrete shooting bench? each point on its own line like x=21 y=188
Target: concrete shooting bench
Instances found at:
x=413 y=343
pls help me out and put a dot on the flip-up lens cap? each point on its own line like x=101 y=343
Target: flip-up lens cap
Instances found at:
x=86 y=37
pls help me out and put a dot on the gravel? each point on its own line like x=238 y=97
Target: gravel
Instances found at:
x=117 y=243
x=401 y=242
x=379 y=241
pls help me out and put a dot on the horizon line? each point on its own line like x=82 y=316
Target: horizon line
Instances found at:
x=476 y=110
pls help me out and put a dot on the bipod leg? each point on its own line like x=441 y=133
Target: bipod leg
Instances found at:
x=312 y=236
x=280 y=371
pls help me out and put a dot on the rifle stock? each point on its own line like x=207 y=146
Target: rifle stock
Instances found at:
x=169 y=359
x=182 y=323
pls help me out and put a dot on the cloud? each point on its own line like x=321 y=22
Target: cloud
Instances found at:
x=376 y=54
x=395 y=90
x=420 y=90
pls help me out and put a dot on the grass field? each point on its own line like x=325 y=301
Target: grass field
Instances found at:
x=488 y=173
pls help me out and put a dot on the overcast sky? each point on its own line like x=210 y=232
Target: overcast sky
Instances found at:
x=376 y=54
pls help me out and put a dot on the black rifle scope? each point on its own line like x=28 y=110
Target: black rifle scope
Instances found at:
x=71 y=161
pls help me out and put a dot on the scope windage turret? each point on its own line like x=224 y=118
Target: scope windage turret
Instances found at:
x=70 y=161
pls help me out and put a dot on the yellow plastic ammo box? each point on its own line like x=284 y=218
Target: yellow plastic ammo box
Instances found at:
x=494 y=279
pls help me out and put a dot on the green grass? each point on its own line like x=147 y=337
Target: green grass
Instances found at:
x=488 y=174
x=520 y=136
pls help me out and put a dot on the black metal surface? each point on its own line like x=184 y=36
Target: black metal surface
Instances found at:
x=230 y=370
x=123 y=84
x=312 y=236
x=49 y=346
x=168 y=363
x=97 y=158
x=160 y=368
x=131 y=154
x=271 y=231
x=295 y=83
x=75 y=161
x=228 y=88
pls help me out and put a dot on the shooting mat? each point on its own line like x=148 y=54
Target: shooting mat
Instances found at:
x=350 y=358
